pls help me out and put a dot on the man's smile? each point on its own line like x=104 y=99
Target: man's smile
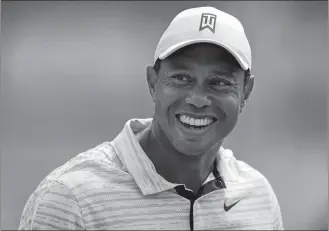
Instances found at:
x=195 y=124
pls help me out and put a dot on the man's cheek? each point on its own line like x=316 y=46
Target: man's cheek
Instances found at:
x=162 y=108
x=230 y=104
x=169 y=101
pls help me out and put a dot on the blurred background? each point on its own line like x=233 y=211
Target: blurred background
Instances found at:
x=72 y=73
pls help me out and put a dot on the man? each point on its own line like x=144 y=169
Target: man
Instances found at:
x=171 y=171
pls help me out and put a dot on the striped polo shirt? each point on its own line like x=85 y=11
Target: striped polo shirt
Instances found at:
x=115 y=186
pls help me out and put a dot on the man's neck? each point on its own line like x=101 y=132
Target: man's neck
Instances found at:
x=176 y=167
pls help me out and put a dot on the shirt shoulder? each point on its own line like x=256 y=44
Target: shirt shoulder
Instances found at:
x=95 y=165
x=56 y=208
x=238 y=171
x=83 y=172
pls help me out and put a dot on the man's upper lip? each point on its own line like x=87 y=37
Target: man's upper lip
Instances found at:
x=198 y=116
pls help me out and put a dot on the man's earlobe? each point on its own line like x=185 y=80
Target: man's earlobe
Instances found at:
x=151 y=80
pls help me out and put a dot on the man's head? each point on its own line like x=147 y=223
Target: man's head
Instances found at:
x=198 y=89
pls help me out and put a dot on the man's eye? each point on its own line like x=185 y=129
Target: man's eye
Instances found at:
x=220 y=83
x=181 y=77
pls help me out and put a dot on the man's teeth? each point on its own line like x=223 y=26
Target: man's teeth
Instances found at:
x=195 y=122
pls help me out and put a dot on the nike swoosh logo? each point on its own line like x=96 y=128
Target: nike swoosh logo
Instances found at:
x=228 y=208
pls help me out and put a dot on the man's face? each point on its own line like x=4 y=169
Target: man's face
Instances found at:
x=198 y=95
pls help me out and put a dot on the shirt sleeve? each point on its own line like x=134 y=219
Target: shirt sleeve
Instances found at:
x=277 y=217
x=53 y=207
x=276 y=210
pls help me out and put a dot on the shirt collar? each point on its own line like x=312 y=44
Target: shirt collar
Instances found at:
x=141 y=168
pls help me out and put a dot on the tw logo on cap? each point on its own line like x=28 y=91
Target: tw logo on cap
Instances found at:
x=208 y=21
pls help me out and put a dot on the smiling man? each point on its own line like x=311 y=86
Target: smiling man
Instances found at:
x=170 y=171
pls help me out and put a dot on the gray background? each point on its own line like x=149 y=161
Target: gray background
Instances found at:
x=74 y=72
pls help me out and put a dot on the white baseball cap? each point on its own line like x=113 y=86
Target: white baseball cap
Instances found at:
x=205 y=25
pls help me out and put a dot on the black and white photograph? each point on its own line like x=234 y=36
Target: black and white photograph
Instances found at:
x=164 y=115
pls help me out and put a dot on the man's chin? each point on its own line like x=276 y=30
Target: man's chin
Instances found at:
x=191 y=149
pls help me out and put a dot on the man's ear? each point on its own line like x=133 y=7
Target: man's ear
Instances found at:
x=151 y=80
x=248 y=86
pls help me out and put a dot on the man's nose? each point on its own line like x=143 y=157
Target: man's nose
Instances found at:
x=198 y=99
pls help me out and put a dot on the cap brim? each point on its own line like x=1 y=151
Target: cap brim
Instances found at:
x=178 y=46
